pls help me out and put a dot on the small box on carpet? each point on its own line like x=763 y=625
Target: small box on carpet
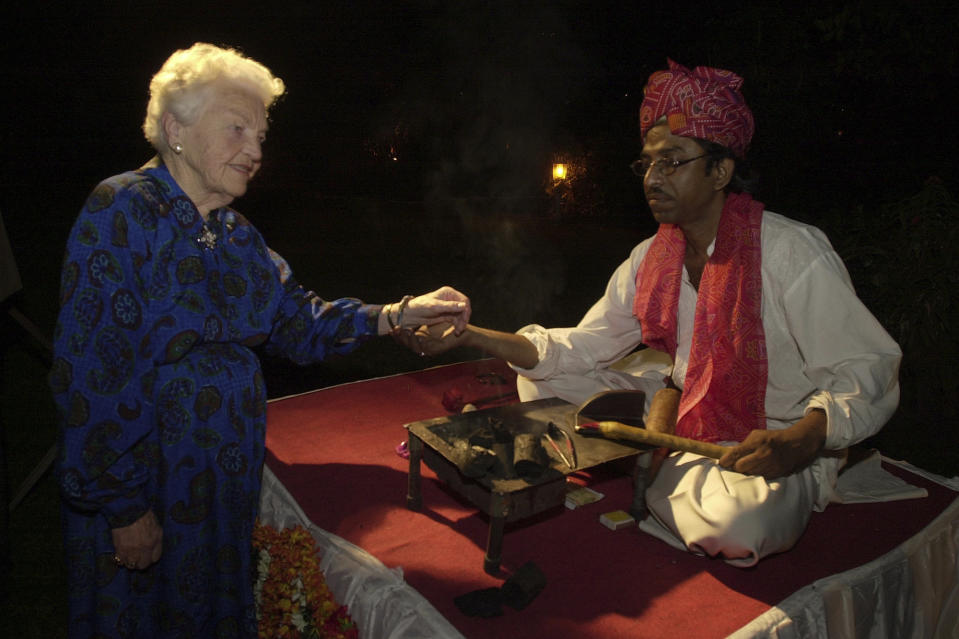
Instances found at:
x=617 y=519
x=577 y=496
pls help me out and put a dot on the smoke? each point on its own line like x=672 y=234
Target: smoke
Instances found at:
x=483 y=105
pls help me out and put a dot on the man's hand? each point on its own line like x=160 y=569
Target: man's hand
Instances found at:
x=431 y=340
x=777 y=453
x=140 y=544
x=438 y=338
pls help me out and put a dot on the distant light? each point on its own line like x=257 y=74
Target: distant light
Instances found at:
x=559 y=171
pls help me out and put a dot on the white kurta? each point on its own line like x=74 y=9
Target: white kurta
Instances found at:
x=825 y=349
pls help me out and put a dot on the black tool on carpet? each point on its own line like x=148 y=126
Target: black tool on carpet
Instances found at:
x=523 y=586
x=486 y=602
x=517 y=592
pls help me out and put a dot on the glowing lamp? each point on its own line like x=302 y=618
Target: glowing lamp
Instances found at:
x=559 y=171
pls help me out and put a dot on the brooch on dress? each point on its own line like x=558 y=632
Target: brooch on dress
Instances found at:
x=206 y=238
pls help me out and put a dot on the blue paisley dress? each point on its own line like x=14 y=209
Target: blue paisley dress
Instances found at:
x=163 y=404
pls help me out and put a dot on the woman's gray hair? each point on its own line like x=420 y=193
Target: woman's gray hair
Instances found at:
x=180 y=85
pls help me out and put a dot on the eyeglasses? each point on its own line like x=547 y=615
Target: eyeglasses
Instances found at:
x=666 y=166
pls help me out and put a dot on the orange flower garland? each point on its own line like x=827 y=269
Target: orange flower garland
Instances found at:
x=292 y=599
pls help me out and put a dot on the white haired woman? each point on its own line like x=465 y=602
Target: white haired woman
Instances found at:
x=164 y=292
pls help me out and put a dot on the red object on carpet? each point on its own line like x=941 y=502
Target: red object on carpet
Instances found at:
x=334 y=450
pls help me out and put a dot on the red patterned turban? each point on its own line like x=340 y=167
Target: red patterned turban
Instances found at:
x=702 y=103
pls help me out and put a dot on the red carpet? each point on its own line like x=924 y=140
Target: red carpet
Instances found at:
x=334 y=451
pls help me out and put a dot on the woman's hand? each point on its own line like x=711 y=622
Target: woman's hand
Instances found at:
x=444 y=305
x=140 y=544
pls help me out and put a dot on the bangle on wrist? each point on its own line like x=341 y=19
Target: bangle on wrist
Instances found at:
x=387 y=310
x=403 y=303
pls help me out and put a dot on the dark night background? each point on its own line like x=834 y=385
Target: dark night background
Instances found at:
x=413 y=149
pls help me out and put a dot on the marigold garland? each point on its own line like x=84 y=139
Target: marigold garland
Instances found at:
x=292 y=599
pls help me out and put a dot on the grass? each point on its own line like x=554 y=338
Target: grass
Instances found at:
x=518 y=268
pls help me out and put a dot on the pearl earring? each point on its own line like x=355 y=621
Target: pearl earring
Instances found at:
x=178 y=148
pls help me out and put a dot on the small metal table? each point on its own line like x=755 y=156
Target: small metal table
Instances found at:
x=441 y=443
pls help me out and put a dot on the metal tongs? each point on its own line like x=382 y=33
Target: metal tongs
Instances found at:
x=560 y=441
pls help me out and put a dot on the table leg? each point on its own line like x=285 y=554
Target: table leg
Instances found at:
x=494 y=543
x=414 y=498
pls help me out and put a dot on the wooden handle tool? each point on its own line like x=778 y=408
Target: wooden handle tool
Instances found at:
x=663 y=410
x=617 y=430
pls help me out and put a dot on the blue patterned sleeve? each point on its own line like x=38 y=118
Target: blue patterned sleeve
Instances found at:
x=102 y=361
x=307 y=328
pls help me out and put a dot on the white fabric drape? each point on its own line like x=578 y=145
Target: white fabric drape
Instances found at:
x=912 y=592
x=381 y=603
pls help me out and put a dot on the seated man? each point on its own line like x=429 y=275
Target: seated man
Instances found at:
x=752 y=315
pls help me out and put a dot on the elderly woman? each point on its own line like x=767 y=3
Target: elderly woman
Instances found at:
x=165 y=290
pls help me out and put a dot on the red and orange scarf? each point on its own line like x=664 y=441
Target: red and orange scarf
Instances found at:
x=725 y=389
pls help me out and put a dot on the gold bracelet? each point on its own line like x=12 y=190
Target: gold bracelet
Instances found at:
x=388 y=309
x=403 y=303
